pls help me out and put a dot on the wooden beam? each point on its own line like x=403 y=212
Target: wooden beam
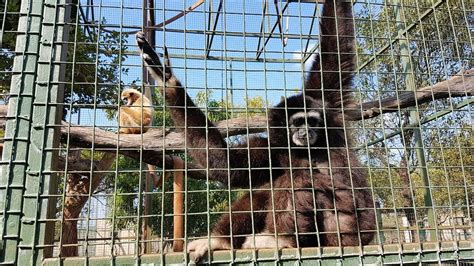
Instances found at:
x=178 y=204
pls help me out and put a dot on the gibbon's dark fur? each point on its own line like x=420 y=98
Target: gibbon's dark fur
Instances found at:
x=324 y=179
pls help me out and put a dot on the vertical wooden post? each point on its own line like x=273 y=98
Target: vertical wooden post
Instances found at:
x=178 y=200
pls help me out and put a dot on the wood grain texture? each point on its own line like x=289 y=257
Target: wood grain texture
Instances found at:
x=150 y=146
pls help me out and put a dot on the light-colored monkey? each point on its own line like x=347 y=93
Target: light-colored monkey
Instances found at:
x=135 y=117
x=137 y=114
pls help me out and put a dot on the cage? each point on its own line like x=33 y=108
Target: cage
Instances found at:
x=79 y=187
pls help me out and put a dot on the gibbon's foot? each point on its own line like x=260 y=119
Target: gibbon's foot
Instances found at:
x=199 y=248
x=152 y=59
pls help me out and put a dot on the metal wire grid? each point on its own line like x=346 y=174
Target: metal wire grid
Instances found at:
x=226 y=52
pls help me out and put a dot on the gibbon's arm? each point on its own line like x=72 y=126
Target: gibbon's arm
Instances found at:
x=131 y=117
x=208 y=147
x=336 y=58
x=135 y=112
x=127 y=120
x=334 y=187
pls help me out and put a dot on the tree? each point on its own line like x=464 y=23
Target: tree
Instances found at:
x=450 y=166
x=96 y=68
x=434 y=54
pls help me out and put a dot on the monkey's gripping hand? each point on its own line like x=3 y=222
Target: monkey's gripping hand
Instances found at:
x=159 y=71
x=199 y=248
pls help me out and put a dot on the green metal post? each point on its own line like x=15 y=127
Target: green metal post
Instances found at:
x=378 y=212
x=15 y=152
x=406 y=61
x=30 y=137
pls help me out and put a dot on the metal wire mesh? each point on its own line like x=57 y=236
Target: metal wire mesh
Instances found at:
x=71 y=187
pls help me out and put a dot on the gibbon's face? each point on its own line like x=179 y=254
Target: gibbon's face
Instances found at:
x=129 y=97
x=305 y=124
x=306 y=127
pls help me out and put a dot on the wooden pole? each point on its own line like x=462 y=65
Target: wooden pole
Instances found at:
x=178 y=200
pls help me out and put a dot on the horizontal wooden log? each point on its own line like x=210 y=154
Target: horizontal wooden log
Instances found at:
x=147 y=148
x=150 y=146
x=461 y=85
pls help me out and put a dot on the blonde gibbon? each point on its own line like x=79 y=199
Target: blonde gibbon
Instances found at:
x=135 y=118
x=137 y=114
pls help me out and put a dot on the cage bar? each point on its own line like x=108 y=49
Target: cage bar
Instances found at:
x=75 y=191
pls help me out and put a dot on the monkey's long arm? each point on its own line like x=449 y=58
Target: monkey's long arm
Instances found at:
x=335 y=63
x=134 y=117
x=207 y=147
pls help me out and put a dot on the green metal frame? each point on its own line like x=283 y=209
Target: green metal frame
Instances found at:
x=29 y=137
x=371 y=255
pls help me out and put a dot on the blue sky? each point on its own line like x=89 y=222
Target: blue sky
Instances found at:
x=258 y=76
x=266 y=79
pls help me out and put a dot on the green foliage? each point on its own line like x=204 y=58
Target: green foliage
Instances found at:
x=254 y=106
x=438 y=46
x=215 y=110
x=126 y=202
x=450 y=168
x=222 y=110
x=11 y=23
x=161 y=116
x=95 y=70
x=384 y=182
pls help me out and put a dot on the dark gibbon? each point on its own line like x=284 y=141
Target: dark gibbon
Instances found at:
x=307 y=187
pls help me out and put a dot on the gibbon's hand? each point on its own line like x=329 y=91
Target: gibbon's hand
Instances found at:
x=152 y=60
x=198 y=249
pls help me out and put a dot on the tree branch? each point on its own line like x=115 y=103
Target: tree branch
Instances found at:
x=461 y=85
x=149 y=147
x=152 y=143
